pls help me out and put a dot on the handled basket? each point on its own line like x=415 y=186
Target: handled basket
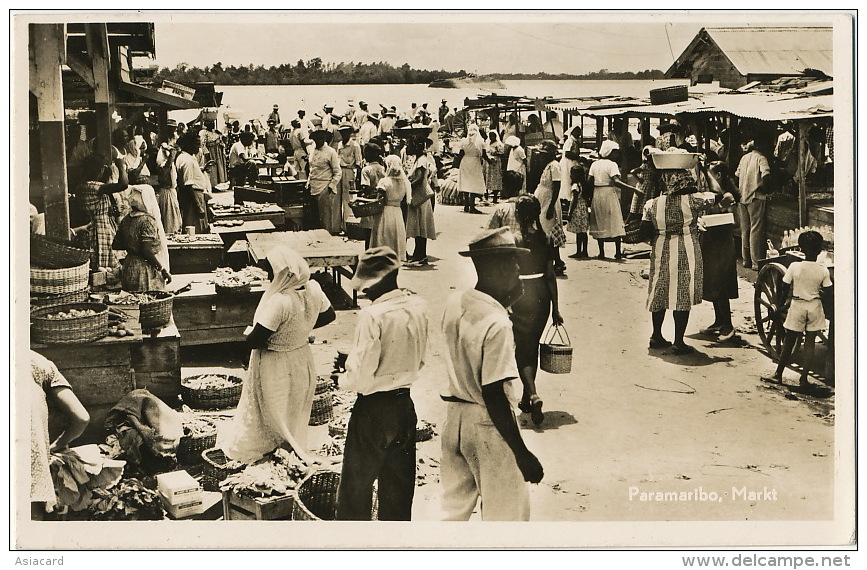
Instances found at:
x=57 y=281
x=49 y=253
x=556 y=357
x=69 y=331
x=217 y=467
x=40 y=301
x=157 y=313
x=363 y=209
x=212 y=398
x=321 y=412
x=191 y=447
x=316 y=498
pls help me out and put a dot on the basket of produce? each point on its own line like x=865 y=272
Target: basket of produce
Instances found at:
x=424 y=431
x=216 y=467
x=200 y=434
x=211 y=391
x=316 y=498
x=69 y=324
x=321 y=412
x=338 y=426
x=56 y=281
x=333 y=447
x=324 y=384
x=363 y=207
x=156 y=311
x=49 y=253
x=39 y=301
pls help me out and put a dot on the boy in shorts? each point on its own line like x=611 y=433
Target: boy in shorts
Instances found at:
x=806 y=315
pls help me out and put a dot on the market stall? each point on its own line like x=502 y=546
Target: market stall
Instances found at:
x=197 y=253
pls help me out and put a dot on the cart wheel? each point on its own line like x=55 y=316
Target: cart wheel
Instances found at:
x=771 y=307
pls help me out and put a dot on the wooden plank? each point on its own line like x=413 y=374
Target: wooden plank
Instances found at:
x=156 y=355
x=81 y=67
x=97 y=47
x=69 y=356
x=802 y=139
x=164 y=385
x=219 y=335
x=99 y=384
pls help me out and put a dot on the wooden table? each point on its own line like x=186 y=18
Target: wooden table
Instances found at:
x=318 y=247
x=103 y=371
x=196 y=257
x=204 y=317
x=231 y=234
x=273 y=213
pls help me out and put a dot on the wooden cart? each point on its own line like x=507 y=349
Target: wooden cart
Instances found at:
x=771 y=302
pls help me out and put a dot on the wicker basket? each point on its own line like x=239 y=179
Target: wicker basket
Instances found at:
x=316 y=498
x=337 y=429
x=364 y=208
x=57 y=281
x=324 y=385
x=53 y=254
x=212 y=398
x=321 y=412
x=69 y=331
x=556 y=357
x=215 y=470
x=157 y=313
x=39 y=301
x=191 y=447
x=232 y=289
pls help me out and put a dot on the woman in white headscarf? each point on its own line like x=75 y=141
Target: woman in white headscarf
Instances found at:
x=471 y=181
x=277 y=396
x=606 y=217
x=388 y=227
x=140 y=233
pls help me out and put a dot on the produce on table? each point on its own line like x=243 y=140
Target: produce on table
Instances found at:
x=128 y=298
x=71 y=314
x=226 y=277
x=276 y=474
x=195 y=238
x=127 y=500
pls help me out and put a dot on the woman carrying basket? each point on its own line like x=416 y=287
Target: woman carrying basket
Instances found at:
x=530 y=312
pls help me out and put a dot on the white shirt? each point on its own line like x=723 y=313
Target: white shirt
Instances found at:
x=368 y=131
x=237 y=150
x=517 y=156
x=807 y=277
x=481 y=346
x=390 y=344
x=566 y=165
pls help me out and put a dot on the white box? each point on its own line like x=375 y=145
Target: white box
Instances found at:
x=711 y=220
x=179 y=487
x=189 y=507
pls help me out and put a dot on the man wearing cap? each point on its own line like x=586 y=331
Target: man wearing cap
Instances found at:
x=275 y=115
x=360 y=116
x=369 y=129
x=483 y=454
x=272 y=138
x=389 y=350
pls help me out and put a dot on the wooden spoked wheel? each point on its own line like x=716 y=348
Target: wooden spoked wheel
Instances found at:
x=772 y=306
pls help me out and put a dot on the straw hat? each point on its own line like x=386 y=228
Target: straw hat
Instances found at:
x=345 y=126
x=373 y=265
x=607 y=148
x=492 y=242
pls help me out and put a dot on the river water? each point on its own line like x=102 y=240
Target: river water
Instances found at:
x=255 y=102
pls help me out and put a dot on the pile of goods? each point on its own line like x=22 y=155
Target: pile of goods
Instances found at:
x=790 y=237
x=78 y=472
x=127 y=500
x=211 y=391
x=120 y=331
x=228 y=223
x=245 y=208
x=226 y=277
x=196 y=426
x=195 y=238
x=332 y=448
x=128 y=299
x=71 y=314
x=276 y=474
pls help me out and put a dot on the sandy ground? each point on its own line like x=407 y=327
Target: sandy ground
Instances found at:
x=628 y=422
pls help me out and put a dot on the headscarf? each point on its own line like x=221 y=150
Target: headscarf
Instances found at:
x=513 y=141
x=394 y=170
x=142 y=198
x=473 y=137
x=290 y=272
x=607 y=148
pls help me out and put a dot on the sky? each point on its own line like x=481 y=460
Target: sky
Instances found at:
x=526 y=42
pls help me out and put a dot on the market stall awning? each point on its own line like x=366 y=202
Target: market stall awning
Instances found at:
x=152 y=95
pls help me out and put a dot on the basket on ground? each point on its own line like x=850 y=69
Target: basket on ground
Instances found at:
x=322 y=410
x=316 y=498
x=226 y=395
x=324 y=384
x=191 y=447
x=362 y=208
x=156 y=313
x=50 y=253
x=556 y=357
x=70 y=330
x=216 y=468
x=56 y=281
x=337 y=427
x=39 y=301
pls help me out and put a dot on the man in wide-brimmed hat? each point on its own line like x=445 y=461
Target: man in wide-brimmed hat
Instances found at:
x=386 y=124
x=369 y=129
x=480 y=460
x=389 y=350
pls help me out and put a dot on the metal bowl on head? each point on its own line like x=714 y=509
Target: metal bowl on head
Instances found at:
x=675 y=160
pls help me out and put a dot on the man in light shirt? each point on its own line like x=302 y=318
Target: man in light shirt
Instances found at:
x=483 y=454
x=389 y=350
x=369 y=129
x=753 y=177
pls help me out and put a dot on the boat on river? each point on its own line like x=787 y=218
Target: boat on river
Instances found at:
x=484 y=82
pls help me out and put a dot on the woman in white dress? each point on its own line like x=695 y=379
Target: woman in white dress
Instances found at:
x=548 y=193
x=419 y=216
x=606 y=217
x=388 y=227
x=278 y=393
x=517 y=161
x=472 y=180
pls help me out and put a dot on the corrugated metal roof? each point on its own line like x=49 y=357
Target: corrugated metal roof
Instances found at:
x=776 y=50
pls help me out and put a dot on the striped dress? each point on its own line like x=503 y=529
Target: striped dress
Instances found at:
x=676 y=268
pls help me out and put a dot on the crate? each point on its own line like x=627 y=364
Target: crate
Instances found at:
x=673 y=94
x=243 y=508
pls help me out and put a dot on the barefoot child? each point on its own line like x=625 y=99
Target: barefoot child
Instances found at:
x=806 y=314
x=579 y=219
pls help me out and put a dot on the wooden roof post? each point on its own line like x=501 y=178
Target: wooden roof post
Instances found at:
x=47 y=54
x=803 y=129
x=97 y=48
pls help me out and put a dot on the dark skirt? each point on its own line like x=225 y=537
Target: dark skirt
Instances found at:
x=529 y=317
x=720 y=263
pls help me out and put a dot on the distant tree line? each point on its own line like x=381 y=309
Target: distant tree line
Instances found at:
x=317 y=72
